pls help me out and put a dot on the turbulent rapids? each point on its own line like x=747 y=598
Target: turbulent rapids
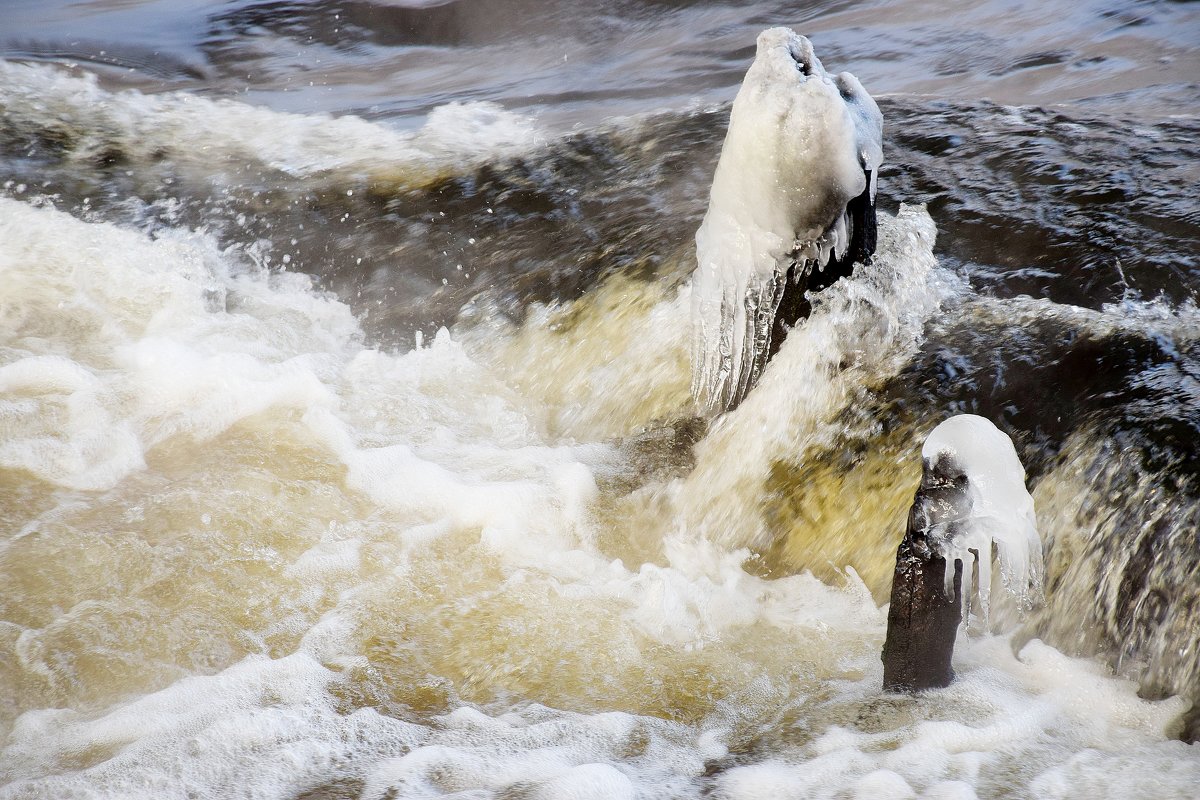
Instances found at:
x=349 y=449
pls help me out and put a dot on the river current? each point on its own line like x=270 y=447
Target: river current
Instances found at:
x=346 y=439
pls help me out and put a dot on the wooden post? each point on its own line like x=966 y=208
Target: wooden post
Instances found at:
x=923 y=620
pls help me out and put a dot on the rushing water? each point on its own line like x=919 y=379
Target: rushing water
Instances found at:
x=346 y=444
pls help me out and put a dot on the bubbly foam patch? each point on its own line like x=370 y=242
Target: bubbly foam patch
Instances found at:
x=1040 y=722
x=118 y=343
x=980 y=737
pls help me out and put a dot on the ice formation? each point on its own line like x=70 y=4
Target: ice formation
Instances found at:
x=801 y=146
x=1000 y=510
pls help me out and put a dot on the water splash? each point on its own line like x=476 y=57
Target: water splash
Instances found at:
x=862 y=330
x=92 y=124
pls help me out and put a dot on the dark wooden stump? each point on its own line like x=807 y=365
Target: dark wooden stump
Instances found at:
x=794 y=306
x=923 y=620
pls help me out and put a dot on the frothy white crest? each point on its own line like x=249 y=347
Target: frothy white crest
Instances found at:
x=1001 y=512
x=56 y=421
x=116 y=343
x=218 y=133
x=798 y=143
x=1168 y=323
x=861 y=329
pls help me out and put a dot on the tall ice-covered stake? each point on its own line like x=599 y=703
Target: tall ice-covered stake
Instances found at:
x=792 y=207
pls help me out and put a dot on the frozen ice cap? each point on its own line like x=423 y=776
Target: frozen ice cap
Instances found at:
x=801 y=146
x=798 y=144
x=999 y=509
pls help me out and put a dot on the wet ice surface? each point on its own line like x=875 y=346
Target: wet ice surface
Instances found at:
x=999 y=512
x=256 y=542
x=791 y=125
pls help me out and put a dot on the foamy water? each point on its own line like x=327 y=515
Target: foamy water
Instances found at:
x=217 y=136
x=397 y=556
x=252 y=547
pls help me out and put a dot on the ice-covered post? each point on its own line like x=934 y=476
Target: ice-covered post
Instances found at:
x=792 y=209
x=923 y=618
x=972 y=497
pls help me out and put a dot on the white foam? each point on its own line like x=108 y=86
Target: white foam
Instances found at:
x=792 y=159
x=1001 y=511
x=1166 y=322
x=912 y=749
x=270 y=728
x=56 y=421
x=263 y=727
x=882 y=783
x=122 y=343
x=223 y=134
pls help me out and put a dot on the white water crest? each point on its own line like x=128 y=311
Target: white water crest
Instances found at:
x=799 y=147
x=1001 y=512
x=221 y=136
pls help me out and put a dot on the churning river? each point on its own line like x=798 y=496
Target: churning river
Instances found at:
x=346 y=439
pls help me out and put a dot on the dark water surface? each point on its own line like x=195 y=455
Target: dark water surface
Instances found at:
x=577 y=62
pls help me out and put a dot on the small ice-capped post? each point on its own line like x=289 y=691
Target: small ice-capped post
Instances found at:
x=972 y=498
